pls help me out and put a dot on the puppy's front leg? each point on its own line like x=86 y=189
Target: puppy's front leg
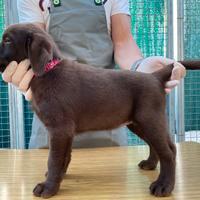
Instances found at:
x=59 y=152
x=152 y=161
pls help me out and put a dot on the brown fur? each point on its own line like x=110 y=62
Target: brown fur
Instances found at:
x=74 y=97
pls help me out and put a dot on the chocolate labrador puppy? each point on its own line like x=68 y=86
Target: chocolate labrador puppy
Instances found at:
x=70 y=98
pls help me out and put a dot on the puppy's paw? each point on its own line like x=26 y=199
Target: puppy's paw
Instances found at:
x=46 y=189
x=161 y=188
x=147 y=165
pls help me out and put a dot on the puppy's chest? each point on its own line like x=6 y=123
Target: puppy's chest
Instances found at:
x=42 y=94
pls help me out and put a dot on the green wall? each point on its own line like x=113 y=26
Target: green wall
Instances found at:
x=4 y=110
x=192 y=51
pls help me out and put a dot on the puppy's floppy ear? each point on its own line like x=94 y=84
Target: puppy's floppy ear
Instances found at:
x=40 y=52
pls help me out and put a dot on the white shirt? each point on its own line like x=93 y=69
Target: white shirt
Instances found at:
x=29 y=11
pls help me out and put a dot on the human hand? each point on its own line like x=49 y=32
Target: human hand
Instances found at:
x=154 y=63
x=20 y=76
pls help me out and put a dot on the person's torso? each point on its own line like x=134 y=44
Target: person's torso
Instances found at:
x=80 y=30
x=46 y=5
x=83 y=33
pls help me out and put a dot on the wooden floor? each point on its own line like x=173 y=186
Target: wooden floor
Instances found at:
x=98 y=174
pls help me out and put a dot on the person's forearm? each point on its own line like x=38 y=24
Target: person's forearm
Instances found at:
x=127 y=54
x=126 y=51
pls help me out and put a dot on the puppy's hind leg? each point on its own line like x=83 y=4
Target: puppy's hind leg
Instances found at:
x=154 y=128
x=152 y=160
x=59 y=156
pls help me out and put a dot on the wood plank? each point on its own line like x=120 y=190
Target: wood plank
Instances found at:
x=98 y=174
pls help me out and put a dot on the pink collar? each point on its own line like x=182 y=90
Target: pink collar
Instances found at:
x=51 y=65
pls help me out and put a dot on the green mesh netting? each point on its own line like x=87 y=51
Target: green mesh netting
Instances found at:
x=149 y=25
x=28 y=117
x=4 y=109
x=192 y=50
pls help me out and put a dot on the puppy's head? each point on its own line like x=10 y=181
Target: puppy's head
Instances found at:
x=23 y=41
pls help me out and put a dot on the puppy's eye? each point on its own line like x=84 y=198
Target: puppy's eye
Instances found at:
x=7 y=40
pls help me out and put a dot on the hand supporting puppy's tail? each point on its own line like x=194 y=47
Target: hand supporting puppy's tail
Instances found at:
x=165 y=73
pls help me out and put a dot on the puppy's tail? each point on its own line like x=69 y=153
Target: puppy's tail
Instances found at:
x=164 y=74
